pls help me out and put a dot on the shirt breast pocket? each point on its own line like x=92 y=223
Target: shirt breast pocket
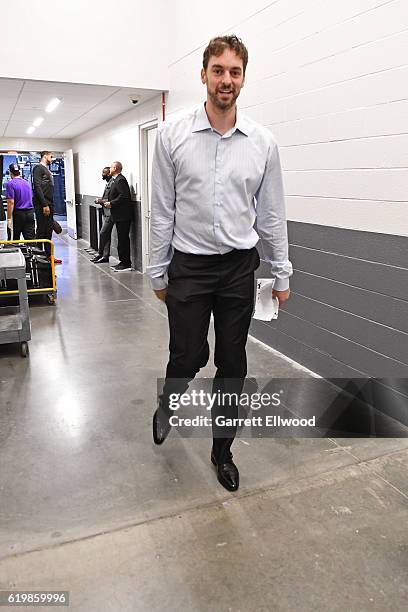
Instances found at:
x=248 y=179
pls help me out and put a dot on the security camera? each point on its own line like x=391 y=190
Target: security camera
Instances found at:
x=134 y=99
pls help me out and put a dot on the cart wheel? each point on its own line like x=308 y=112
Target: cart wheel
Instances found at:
x=51 y=299
x=24 y=349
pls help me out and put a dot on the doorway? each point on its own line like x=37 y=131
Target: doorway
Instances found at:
x=26 y=162
x=148 y=133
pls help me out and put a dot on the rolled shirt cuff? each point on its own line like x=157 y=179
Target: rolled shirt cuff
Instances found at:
x=158 y=283
x=281 y=284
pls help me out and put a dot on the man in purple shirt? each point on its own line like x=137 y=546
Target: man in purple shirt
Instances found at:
x=20 y=210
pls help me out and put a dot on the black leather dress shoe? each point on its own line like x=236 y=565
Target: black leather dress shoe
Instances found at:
x=227 y=473
x=161 y=425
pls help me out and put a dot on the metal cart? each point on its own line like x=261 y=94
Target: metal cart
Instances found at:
x=49 y=292
x=15 y=320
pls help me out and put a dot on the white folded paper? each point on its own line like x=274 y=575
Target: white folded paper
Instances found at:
x=266 y=307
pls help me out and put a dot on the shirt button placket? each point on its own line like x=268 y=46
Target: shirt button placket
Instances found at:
x=217 y=191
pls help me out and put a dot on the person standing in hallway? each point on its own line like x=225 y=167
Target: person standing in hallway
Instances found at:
x=43 y=183
x=215 y=172
x=20 y=210
x=107 y=226
x=120 y=205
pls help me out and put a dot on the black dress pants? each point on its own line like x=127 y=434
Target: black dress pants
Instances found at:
x=199 y=285
x=44 y=227
x=23 y=223
x=123 y=229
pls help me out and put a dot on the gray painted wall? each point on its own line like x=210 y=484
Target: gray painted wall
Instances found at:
x=83 y=203
x=348 y=311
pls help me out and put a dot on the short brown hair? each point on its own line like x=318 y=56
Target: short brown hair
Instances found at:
x=217 y=46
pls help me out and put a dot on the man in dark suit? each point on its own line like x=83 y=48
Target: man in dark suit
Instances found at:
x=120 y=204
x=43 y=189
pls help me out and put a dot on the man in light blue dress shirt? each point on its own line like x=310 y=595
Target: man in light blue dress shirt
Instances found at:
x=215 y=175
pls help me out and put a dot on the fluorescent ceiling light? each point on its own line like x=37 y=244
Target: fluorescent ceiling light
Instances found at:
x=38 y=121
x=52 y=105
x=31 y=129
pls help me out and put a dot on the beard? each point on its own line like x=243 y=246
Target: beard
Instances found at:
x=223 y=104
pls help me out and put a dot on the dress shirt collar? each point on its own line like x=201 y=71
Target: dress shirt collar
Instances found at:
x=201 y=122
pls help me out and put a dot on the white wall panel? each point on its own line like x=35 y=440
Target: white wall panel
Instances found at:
x=380 y=88
x=379 y=120
x=366 y=60
x=321 y=30
x=376 y=184
x=192 y=24
x=373 y=25
x=381 y=217
x=382 y=152
x=124 y=43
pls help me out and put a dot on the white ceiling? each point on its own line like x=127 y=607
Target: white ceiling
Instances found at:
x=82 y=108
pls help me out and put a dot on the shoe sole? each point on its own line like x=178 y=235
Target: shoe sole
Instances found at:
x=126 y=270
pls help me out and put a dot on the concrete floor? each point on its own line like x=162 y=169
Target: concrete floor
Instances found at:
x=89 y=504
